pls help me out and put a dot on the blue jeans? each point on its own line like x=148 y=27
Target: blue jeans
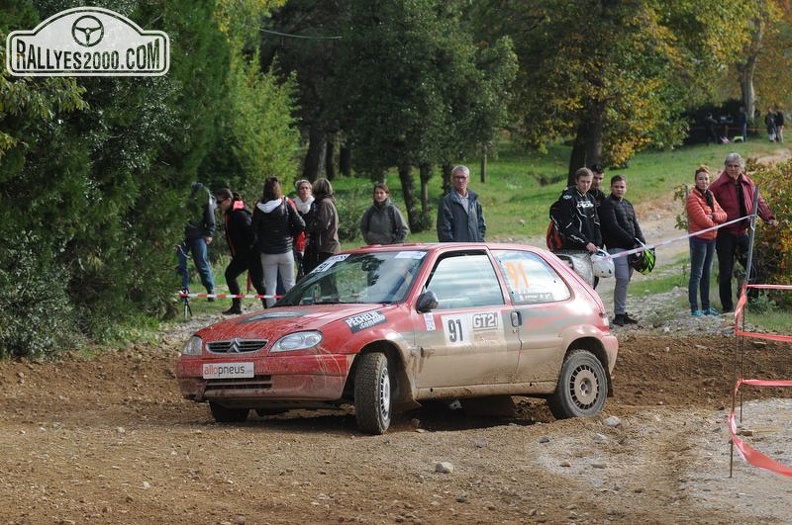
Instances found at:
x=701 y=255
x=200 y=256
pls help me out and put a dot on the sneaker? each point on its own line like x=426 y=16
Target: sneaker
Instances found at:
x=628 y=319
x=697 y=313
x=618 y=320
x=711 y=311
x=211 y=299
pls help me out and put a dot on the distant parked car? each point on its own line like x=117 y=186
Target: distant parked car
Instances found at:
x=386 y=327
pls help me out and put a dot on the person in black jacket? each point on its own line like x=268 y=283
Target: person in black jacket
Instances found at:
x=575 y=215
x=275 y=223
x=239 y=236
x=596 y=184
x=621 y=232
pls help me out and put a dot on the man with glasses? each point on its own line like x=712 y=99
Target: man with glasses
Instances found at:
x=734 y=191
x=460 y=217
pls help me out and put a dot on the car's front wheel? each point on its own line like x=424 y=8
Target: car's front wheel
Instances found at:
x=223 y=414
x=373 y=393
x=582 y=386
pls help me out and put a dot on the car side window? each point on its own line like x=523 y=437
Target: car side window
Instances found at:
x=530 y=278
x=464 y=281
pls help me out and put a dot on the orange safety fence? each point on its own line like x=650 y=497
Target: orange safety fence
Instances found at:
x=748 y=453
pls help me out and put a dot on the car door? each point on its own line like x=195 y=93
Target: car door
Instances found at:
x=468 y=339
x=539 y=296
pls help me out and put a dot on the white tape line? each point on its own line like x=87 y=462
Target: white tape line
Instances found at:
x=228 y=296
x=675 y=239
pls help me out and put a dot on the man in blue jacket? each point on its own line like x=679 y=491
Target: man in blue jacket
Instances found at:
x=460 y=217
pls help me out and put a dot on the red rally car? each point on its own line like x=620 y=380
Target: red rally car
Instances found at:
x=386 y=327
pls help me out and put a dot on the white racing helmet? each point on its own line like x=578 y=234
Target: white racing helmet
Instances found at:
x=602 y=263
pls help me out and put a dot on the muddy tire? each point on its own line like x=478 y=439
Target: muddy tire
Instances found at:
x=582 y=387
x=373 y=394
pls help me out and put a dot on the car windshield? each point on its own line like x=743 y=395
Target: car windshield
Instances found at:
x=381 y=277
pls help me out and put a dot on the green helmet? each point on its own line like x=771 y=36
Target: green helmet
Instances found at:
x=643 y=261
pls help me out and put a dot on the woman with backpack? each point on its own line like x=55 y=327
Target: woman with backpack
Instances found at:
x=275 y=223
x=383 y=223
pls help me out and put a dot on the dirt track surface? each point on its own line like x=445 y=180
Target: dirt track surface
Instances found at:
x=111 y=441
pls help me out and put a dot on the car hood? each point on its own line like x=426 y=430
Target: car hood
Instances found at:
x=275 y=322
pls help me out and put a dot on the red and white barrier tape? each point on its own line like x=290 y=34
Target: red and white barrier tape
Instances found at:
x=748 y=453
x=228 y=296
x=676 y=239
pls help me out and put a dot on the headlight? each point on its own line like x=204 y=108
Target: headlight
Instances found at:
x=194 y=346
x=297 y=341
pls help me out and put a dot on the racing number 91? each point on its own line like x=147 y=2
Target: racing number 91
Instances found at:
x=455 y=334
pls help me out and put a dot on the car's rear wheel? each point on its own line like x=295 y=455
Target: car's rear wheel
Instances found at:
x=582 y=386
x=373 y=393
x=223 y=414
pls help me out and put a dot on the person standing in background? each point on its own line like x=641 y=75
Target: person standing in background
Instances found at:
x=240 y=239
x=322 y=232
x=198 y=232
x=460 y=217
x=742 y=121
x=383 y=223
x=302 y=202
x=598 y=171
x=779 y=123
x=575 y=215
x=275 y=223
x=734 y=190
x=770 y=123
x=620 y=232
x=703 y=212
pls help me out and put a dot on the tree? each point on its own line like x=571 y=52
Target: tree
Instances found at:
x=417 y=91
x=614 y=76
x=764 y=64
x=300 y=40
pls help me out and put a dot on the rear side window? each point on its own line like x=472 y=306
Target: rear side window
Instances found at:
x=530 y=278
x=464 y=281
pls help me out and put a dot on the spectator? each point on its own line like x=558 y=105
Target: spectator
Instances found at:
x=198 y=232
x=596 y=183
x=460 y=217
x=575 y=215
x=322 y=231
x=734 y=191
x=703 y=212
x=770 y=122
x=275 y=223
x=302 y=202
x=621 y=232
x=383 y=223
x=742 y=122
x=779 y=123
x=709 y=125
x=240 y=238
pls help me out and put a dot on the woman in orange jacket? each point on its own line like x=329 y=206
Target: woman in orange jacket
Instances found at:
x=703 y=212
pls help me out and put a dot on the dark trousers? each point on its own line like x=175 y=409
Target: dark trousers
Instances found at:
x=250 y=262
x=729 y=248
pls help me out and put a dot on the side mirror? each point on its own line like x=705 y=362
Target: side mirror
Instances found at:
x=427 y=302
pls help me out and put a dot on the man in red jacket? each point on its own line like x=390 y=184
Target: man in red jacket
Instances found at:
x=734 y=190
